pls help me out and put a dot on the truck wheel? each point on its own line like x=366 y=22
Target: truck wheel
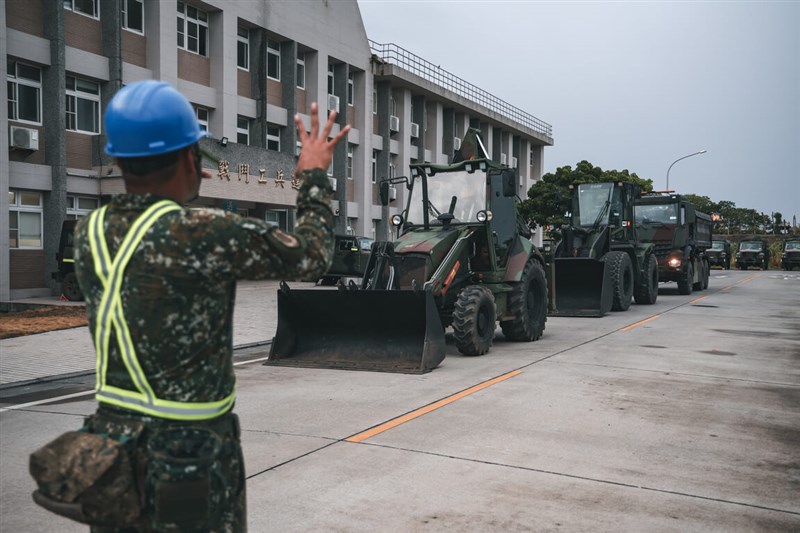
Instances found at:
x=647 y=289
x=698 y=285
x=621 y=279
x=706 y=275
x=474 y=320
x=70 y=288
x=528 y=304
x=685 y=284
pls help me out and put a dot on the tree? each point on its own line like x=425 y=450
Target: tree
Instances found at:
x=549 y=199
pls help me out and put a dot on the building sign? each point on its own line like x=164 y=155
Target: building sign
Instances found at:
x=243 y=171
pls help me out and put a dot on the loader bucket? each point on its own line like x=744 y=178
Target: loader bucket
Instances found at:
x=384 y=331
x=583 y=287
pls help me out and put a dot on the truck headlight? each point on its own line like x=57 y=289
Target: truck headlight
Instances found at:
x=761 y=255
x=674 y=262
x=724 y=254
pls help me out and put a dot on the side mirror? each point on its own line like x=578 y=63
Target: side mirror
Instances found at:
x=383 y=192
x=509 y=183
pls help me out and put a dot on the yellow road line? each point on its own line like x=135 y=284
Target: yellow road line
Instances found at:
x=646 y=320
x=698 y=299
x=361 y=437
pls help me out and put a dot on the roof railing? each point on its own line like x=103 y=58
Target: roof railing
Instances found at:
x=391 y=53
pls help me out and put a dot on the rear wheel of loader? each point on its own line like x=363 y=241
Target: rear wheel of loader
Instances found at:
x=621 y=279
x=528 y=304
x=647 y=290
x=685 y=284
x=474 y=320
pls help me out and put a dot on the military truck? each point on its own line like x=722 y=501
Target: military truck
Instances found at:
x=462 y=258
x=680 y=234
x=350 y=255
x=600 y=263
x=790 y=257
x=720 y=254
x=753 y=253
x=65 y=275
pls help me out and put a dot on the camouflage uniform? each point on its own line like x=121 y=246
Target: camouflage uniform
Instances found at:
x=178 y=296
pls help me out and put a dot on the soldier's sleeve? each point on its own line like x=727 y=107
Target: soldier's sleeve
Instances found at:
x=263 y=251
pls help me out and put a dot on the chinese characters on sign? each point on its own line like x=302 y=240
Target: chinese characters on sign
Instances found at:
x=243 y=170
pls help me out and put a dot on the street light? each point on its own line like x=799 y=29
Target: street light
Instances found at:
x=684 y=157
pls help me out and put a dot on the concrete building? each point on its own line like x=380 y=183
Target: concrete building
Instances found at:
x=248 y=68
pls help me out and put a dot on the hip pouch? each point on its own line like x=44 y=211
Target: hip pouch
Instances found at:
x=183 y=478
x=88 y=478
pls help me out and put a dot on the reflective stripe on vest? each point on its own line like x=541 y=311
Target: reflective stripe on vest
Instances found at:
x=110 y=316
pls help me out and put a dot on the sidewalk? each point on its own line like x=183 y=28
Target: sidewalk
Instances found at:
x=69 y=351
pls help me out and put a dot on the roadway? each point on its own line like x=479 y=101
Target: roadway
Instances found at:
x=680 y=416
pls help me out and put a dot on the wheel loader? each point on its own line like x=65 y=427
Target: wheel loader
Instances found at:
x=462 y=258
x=600 y=264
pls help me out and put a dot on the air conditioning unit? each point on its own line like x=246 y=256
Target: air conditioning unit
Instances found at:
x=456 y=143
x=333 y=183
x=394 y=123
x=513 y=162
x=24 y=138
x=502 y=159
x=414 y=130
x=392 y=193
x=333 y=103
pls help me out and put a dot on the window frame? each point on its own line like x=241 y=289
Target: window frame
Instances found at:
x=243 y=40
x=74 y=209
x=243 y=130
x=203 y=30
x=16 y=207
x=351 y=88
x=273 y=137
x=375 y=166
x=70 y=5
x=74 y=95
x=15 y=80
x=351 y=149
x=331 y=80
x=276 y=53
x=126 y=10
x=300 y=73
x=199 y=110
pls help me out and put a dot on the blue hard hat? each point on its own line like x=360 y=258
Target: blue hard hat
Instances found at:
x=150 y=118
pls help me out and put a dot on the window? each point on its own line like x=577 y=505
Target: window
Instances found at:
x=133 y=15
x=351 y=225
x=243 y=49
x=301 y=71
x=192 y=29
x=273 y=59
x=25 y=219
x=273 y=137
x=80 y=206
x=24 y=92
x=374 y=166
x=202 y=117
x=83 y=105
x=89 y=8
x=350 y=88
x=243 y=130
x=330 y=78
x=350 y=150
x=374 y=102
x=393 y=106
x=393 y=167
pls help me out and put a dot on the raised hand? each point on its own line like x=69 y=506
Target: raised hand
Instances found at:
x=317 y=150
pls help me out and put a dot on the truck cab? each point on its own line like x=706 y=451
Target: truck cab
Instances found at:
x=752 y=253
x=790 y=257
x=350 y=255
x=720 y=253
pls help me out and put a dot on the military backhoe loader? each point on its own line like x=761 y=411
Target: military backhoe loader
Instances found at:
x=462 y=258
x=599 y=263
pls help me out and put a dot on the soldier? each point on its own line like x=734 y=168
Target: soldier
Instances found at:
x=159 y=281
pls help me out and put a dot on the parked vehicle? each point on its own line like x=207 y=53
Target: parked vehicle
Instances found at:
x=720 y=254
x=350 y=257
x=790 y=257
x=753 y=253
x=681 y=236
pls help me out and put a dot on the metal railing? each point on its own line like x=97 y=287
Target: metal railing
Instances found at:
x=391 y=53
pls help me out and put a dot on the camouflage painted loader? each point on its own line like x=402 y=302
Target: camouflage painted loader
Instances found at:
x=462 y=258
x=600 y=264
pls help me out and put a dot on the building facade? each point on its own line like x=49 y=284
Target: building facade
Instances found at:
x=248 y=68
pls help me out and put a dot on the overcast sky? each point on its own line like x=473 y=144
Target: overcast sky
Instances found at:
x=633 y=85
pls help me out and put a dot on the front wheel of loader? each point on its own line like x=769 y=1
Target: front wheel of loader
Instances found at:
x=528 y=304
x=474 y=320
x=70 y=288
x=647 y=290
x=621 y=279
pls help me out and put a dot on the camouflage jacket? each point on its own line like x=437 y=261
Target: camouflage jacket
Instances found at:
x=179 y=287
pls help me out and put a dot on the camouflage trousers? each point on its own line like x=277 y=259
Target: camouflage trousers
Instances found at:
x=174 y=497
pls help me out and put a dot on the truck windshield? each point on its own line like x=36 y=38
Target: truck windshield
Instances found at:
x=593 y=204
x=468 y=189
x=792 y=246
x=750 y=246
x=717 y=245
x=655 y=213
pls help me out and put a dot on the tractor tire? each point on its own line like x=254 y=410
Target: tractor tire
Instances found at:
x=685 y=283
x=70 y=288
x=621 y=279
x=698 y=285
x=527 y=302
x=474 y=320
x=646 y=291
